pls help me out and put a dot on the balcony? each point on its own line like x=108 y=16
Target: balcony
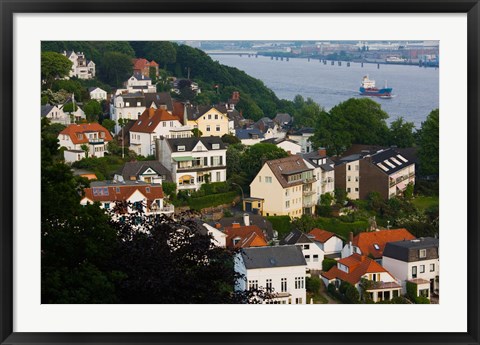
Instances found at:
x=308 y=203
x=96 y=141
x=309 y=180
x=393 y=182
x=308 y=192
x=199 y=167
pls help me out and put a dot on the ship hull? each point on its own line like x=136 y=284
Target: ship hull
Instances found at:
x=374 y=92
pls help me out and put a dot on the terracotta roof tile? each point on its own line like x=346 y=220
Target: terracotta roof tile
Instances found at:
x=320 y=235
x=149 y=120
x=368 y=242
x=119 y=192
x=285 y=166
x=250 y=236
x=77 y=132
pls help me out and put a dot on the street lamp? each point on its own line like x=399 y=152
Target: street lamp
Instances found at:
x=241 y=189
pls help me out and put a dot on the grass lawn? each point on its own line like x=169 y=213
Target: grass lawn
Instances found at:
x=342 y=229
x=424 y=202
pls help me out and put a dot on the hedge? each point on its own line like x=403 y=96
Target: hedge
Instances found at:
x=280 y=224
x=211 y=200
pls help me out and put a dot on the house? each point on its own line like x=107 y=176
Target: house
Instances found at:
x=269 y=128
x=54 y=114
x=139 y=195
x=279 y=269
x=303 y=137
x=142 y=66
x=323 y=170
x=140 y=83
x=284 y=120
x=386 y=172
x=372 y=243
x=415 y=261
x=152 y=124
x=89 y=136
x=286 y=186
x=250 y=219
x=330 y=243
x=97 y=93
x=383 y=285
x=249 y=136
x=146 y=171
x=210 y=120
x=313 y=254
x=244 y=236
x=81 y=67
x=290 y=146
x=219 y=238
x=193 y=161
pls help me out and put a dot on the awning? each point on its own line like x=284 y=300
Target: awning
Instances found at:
x=183 y=159
x=401 y=185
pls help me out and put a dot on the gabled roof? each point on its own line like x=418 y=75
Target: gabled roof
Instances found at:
x=271 y=257
x=295 y=237
x=150 y=119
x=139 y=76
x=368 y=242
x=302 y=131
x=254 y=219
x=110 y=192
x=247 y=236
x=45 y=109
x=140 y=64
x=77 y=132
x=135 y=169
x=283 y=118
x=191 y=142
x=286 y=166
x=93 y=88
x=248 y=133
x=159 y=99
x=236 y=117
x=358 y=265
x=321 y=236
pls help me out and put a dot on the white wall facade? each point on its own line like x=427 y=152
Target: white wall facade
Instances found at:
x=313 y=255
x=219 y=238
x=400 y=179
x=403 y=270
x=98 y=94
x=352 y=177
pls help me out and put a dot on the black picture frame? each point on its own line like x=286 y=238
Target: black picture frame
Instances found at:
x=7 y=175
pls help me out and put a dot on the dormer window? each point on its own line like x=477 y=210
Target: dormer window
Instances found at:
x=215 y=146
x=80 y=136
x=181 y=148
x=147 y=189
x=236 y=240
x=376 y=246
x=422 y=253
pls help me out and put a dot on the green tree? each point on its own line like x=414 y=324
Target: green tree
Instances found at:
x=428 y=142
x=93 y=110
x=355 y=121
x=70 y=107
x=152 y=73
x=162 y=52
x=312 y=284
x=256 y=155
x=109 y=124
x=230 y=139
x=71 y=86
x=85 y=149
x=340 y=196
x=116 y=68
x=328 y=263
x=197 y=133
x=54 y=65
x=401 y=133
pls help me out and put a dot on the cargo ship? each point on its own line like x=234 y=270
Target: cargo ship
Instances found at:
x=368 y=89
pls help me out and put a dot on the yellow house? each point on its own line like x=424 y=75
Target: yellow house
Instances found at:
x=286 y=186
x=210 y=120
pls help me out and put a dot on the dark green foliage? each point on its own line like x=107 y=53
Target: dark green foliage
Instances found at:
x=280 y=224
x=401 y=133
x=116 y=68
x=328 y=263
x=71 y=86
x=312 y=284
x=103 y=167
x=212 y=200
x=306 y=113
x=197 y=133
x=256 y=155
x=332 y=290
x=412 y=294
x=109 y=124
x=169 y=188
x=352 y=295
x=70 y=108
x=304 y=224
x=93 y=110
x=230 y=139
x=340 y=196
x=428 y=142
x=215 y=188
x=54 y=65
x=152 y=73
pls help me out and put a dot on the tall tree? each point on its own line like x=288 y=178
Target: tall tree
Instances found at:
x=428 y=142
x=116 y=68
x=54 y=65
x=256 y=155
x=93 y=110
x=401 y=133
x=162 y=52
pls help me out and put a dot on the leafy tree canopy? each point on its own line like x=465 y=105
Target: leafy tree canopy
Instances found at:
x=54 y=65
x=428 y=142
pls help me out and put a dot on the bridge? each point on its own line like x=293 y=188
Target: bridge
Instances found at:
x=231 y=52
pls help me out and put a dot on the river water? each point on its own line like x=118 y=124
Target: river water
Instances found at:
x=415 y=89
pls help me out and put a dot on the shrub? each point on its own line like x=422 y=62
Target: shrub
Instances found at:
x=352 y=295
x=328 y=263
x=211 y=200
x=281 y=224
x=169 y=188
x=332 y=290
x=312 y=284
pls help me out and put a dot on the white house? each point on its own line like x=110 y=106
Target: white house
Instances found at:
x=97 y=93
x=146 y=171
x=153 y=124
x=249 y=136
x=287 y=145
x=139 y=195
x=94 y=136
x=138 y=82
x=330 y=243
x=303 y=137
x=313 y=254
x=193 y=161
x=384 y=286
x=219 y=237
x=323 y=170
x=415 y=261
x=81 y=67
x=55 y=114
x=279 y=269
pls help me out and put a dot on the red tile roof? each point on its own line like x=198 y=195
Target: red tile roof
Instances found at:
x=178 y=111
x=123 y=192
x=358 y=265
x=366 y=241
x=140 y=64
x=250 y=236
x=320 y=235
x=149 y=120
x=77 y=132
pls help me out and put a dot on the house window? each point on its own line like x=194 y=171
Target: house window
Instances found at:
x=253 y=284
x=423 y=253
x=349 y=190
x=164 y=123
x=117 y=189
x=217 y=128
x=356 y=189
x=268 y=285
x=349 y=167
x=287 y=204
x=349 y=178
x=306 y=246
x=315 y=258
x=283 y=284
x=307 y=258
x=216 y=117
x=209 y=117
x=268 y=179
x=299 y=283
x=260 y=179
x=181 y=148
x=106 y=206
x=422 y=268
x=208 y=128
x=423 y=293
x=414 y=271
x=356 y=167
x=147 y=189
x=356 y=178
x=219 y=177
x=432 y=267
x=171 y=123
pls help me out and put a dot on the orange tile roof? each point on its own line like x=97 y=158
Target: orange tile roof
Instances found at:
x=250 y=236
x=77 y=132
x=123 y=192
x=178 y=110
x=149 y=120
x=320 y=235
x=358 y=265
x=366 y=241
x=140 y=64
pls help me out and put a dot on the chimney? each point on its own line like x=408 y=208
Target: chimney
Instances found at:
x=235 y=225
x=218 y=226
x=322 y=151
x=246 y=219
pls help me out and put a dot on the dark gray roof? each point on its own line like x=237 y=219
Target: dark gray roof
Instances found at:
x=45 y=109
x=390 y=156
x=313 y=157
x=295 y=237
x=236 y=117
x=190 y=143
x=140 y=76
x=255 y=219
x=138 y=168
x=159 y=98
x=283 y=118
x=304 y=130
x=248 y=133
x=277 y=256
x=408 y=251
